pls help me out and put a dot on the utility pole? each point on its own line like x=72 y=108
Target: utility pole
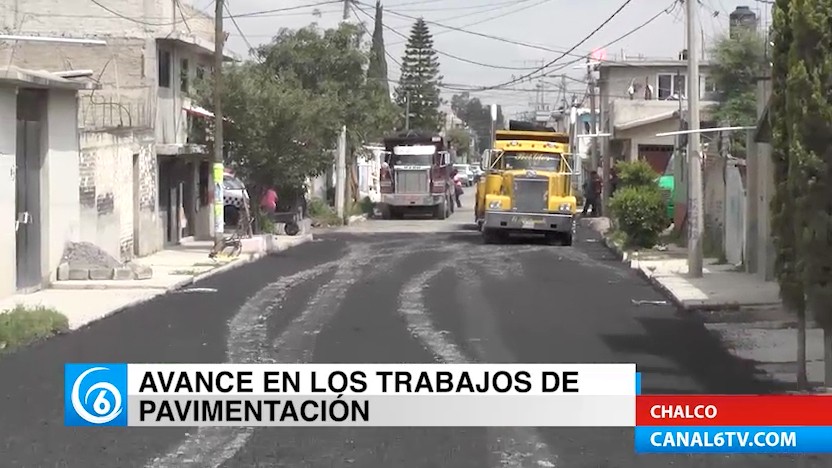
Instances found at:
x=219 y=205
x=347 y=9
x=341 y=174
x=696 y=218
x=593 y=119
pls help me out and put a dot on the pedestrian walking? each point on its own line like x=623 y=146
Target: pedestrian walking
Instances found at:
x=458 y=191
x=592 y=193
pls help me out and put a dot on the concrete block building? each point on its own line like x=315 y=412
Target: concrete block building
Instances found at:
x=145 y=178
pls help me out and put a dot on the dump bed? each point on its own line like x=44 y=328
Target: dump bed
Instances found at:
x=414 y=138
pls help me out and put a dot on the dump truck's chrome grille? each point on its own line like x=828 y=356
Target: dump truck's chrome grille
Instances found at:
x=412 y=181
x=530 y=195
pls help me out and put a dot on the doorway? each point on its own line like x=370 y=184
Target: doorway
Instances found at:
x=29 y=161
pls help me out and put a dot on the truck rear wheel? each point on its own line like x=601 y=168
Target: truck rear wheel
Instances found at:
x=441 y=210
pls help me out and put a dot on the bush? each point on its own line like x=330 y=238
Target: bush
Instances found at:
x=639 y=212
x=635 y=174
x=24 y=325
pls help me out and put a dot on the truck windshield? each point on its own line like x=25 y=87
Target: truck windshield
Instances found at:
x=534 y=161
x=411 y=160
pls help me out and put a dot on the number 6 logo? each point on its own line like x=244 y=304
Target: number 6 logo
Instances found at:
x=105 y=411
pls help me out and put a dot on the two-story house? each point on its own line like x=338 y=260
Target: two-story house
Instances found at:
x=641 y=98
x=145 y=172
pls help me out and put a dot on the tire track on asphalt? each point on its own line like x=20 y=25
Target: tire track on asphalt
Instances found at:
x=515 y=447
x=248 y=343
x=247 y=337
x=413 y=310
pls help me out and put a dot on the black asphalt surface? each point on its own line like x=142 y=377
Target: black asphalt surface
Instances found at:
x=522 y=302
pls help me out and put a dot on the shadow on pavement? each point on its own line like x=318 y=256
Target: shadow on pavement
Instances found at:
x=699 y=353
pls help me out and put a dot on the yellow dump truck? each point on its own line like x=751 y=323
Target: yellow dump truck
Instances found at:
x=527 y=185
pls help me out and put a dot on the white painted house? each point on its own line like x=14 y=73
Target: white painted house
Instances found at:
x=39 y=203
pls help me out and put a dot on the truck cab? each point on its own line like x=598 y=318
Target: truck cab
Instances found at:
x=415 y=176
x=527 y=185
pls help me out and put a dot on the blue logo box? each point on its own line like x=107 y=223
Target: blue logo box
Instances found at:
x=95 y=394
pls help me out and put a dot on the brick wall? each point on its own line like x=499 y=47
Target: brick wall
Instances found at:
x=109 y=195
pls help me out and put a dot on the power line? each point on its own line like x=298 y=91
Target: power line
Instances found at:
x=237 y=27
x=461 y=59
x=586 y=38
x=669 y=9
x=475 y=23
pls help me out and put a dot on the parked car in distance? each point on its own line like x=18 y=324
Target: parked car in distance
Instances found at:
x=466 y=173
x=478 y=172
x=234 y=196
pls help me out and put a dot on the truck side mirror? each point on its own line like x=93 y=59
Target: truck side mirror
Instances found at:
x=485 y=162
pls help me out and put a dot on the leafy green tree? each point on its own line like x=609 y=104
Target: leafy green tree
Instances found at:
x=739 y=60
x=278 y=134
x=377 y=69
x=460 y=140
x=782 y=203
x=333 y=64
x=809 y=115
x=476 y=116
x=418 y=87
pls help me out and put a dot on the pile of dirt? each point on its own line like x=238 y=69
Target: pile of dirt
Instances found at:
x=88 y=255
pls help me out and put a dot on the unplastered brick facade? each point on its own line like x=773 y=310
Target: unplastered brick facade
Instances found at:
x=124 y=120
x=118 y=192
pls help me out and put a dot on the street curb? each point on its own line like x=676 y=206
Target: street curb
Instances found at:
x=626 y=257
x=252 y=257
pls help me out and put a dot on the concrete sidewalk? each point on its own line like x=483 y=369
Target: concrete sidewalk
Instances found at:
x=742 y=310
x=86 y=301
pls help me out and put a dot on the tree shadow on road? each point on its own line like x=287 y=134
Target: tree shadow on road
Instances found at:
x=697 y=352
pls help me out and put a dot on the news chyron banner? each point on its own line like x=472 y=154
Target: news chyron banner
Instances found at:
x=353 y=395
x=783 y=424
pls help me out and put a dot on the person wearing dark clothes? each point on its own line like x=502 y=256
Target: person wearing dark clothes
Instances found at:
x=592 y=194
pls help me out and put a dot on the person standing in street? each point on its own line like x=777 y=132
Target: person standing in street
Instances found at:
x=592 y=194
x=457 y=187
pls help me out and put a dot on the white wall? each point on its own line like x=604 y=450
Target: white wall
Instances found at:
x=171 y=119
x=59 y=178
x=8 y=148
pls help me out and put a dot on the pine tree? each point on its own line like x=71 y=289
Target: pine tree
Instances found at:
x=809 y=115
x=420 y=80
x=377 y=69
x=782 y=203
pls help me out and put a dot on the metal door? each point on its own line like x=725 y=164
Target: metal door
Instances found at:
x=27 y=204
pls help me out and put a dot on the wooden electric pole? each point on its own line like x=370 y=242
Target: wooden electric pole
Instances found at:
x=219 y=205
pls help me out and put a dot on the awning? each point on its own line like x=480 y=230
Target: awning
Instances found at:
x=203 y=112
x=198 y=111
x=647 y=120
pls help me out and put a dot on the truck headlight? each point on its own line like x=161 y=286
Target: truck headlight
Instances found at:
x=564 y=207
x=494 y=205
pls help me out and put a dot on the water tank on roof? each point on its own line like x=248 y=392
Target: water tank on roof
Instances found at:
x=742 y=19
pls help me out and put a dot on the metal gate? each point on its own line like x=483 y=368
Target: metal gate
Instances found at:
x=27 y=203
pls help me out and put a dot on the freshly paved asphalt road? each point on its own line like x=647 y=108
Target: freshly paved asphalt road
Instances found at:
x=359 y=296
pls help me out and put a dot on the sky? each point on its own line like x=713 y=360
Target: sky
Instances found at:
x=556 y=25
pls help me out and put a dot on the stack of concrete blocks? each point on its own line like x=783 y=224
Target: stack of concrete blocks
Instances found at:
x=86 y=261
x=128 y=271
